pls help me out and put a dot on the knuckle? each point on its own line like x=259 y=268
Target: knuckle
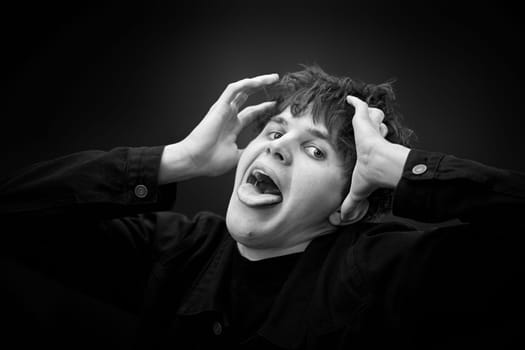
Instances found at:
x=361 y=105
x=231 y=86
x=376 y=114
x=237 y=84
x=243 y=96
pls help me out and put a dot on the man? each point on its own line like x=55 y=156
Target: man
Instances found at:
x=297 y=262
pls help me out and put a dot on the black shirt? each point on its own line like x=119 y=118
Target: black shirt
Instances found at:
x=368 y=285
x=252 y=292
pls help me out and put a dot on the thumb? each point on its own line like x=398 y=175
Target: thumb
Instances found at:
x=349 y=206
x=353 y=210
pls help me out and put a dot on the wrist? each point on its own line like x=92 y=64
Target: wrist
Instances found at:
x=176 y=164
x=390 y=162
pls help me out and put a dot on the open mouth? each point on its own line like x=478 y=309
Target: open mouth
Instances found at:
x=259 y=190
x=263 y=183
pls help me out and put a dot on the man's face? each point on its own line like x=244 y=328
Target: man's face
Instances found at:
x=288 y=181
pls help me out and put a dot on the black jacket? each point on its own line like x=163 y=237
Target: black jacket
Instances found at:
x=109 y=231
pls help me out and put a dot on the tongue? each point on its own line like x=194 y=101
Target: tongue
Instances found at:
x=268 y=187
x=249 y=195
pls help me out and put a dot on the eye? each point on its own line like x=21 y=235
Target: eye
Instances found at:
x=315 y=152
x=274 y=135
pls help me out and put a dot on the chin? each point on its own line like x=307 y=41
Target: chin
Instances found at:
x=240 y=227
x=247 y=225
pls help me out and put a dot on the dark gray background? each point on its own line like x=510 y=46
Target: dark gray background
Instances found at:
x=81 y=77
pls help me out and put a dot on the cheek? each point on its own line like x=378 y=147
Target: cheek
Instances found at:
x=317 y=194
x=247 y=156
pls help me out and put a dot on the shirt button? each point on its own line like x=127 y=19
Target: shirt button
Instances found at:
x=141 y=191
x=217 y=328
x=419 y=169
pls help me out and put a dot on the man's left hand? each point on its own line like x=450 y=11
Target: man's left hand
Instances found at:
x=379 y=162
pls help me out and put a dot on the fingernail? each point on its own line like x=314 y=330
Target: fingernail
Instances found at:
x=346 y=216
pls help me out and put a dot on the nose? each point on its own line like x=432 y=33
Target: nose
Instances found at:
x=278 y=151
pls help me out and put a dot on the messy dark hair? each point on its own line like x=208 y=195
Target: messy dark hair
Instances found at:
x=312 y=90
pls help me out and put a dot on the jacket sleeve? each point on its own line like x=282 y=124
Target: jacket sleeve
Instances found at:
x=437 y=187
x=464 y=278
x=88 y=219
x=115 y=183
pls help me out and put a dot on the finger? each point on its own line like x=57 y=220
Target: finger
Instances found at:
x=361 y=121
x=376 y=115
x=248 y=86
x=250 y=113
x=383 y=129
x=357 y=194
x=238 y=101
x=354 y=209
x=358 y=104
x=349 y=205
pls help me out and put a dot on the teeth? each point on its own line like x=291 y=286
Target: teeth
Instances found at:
x=259 y=190
x=256 y=176
x=259 y=175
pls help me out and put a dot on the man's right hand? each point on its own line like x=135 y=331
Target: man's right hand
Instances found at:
x=211 y=148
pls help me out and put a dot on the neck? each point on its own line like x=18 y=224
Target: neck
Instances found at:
x=255 y=254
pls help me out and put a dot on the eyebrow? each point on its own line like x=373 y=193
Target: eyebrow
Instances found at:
x=313 y=131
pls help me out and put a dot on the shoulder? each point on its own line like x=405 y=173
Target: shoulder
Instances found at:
x=177 y=232
x=371 y=236
x=182 y=224
x=392 y=235
x=374 y=251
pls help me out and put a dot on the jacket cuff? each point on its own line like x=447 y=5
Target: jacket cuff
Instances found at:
x=142 y=171
x=414 y=194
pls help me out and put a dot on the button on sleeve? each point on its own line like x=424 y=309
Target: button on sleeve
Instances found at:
x=419 y=169
x=141 y=191
x=217 y=328
x=421 y=165
x=141 y=182
x=417 y=189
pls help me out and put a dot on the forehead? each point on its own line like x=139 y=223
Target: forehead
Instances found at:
x=304 y=119
x=305 y=122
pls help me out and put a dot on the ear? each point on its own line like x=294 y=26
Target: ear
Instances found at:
x=354 y=216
